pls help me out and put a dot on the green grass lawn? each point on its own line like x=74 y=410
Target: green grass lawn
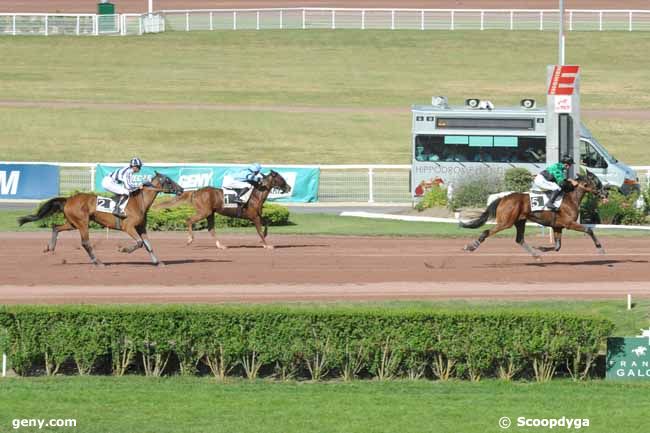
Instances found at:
x=321 y=69
x=138 y=404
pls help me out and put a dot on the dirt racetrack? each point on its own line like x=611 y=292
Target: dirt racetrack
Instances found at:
x=310 y=268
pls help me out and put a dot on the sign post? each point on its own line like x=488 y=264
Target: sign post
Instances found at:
x=563 y=114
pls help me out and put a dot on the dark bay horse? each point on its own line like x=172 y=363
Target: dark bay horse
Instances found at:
x=208 y=200
x=80 y=209
x=514 y=209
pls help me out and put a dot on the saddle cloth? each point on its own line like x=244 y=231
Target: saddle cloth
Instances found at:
x=230 y=195
x=107 y=204
x=539 y=200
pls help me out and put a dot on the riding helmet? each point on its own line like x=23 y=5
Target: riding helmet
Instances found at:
x=136 y=162
x=566 y=159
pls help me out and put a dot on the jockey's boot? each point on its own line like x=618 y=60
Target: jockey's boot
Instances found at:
x=551 y=200
x=241 y=192
x=118 y=206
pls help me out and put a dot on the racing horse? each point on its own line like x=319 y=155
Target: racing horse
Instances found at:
x=208 y=200
x=514 y=209
x=80 y=209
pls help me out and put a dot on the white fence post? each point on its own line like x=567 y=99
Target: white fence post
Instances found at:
x=303 y=20
x=600 y=21
x=512 y=20
x=96 y=25
x=187 y=21
x=333 y=19
x=363 y=19
x=392 y=19
x=570 y=21
x=452 y=20
x=234 y=20
x=482 y=20
x=422 y=19
x=371 y=194
x=4 y=365
x=14 y=25
x=211 y=25
x=281 y=19
x=46 y=25
x=629 y=20
x=78 y=18
x=541 y=21
x=257 y=20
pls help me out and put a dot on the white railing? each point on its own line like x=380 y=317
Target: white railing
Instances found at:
x=361 y=183
x=405 y=19
x=79 y=24
x=323 y=18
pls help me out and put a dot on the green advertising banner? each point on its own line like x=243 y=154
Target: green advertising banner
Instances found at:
x=303 y=180
x=629 y=357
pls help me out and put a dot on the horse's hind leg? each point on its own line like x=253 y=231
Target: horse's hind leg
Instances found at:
x=486 y=234
x=210 y=219
x=521 y=229
x=580 y=228
x=198 y=216
x=55 y=233
x=85 y=242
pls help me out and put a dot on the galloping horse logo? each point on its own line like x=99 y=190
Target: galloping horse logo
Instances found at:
x=640 y=351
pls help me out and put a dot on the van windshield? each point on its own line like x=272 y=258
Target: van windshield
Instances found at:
x=601 y=149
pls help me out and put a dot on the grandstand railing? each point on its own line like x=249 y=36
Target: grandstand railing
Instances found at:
x=323 y=18
x=363 y=183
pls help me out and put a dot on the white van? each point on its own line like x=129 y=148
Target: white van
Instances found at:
x=452 y=143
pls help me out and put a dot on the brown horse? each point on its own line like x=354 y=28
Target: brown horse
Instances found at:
x=208 y=200
x=80 y=209
x=514 y=209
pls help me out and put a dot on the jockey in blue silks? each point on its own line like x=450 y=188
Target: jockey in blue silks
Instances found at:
x=244 y=180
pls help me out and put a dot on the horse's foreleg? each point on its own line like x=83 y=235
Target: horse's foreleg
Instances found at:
x=557 y=236
x=580 y=228
x=521 y=230
x=131 y=231
x=149 y=248
x=258 y=226
x=213 y=233
x=85 y=242
x=55 y=233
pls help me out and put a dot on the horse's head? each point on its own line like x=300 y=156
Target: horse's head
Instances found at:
x=167 y=185
x=275 y=180
x=590 y=183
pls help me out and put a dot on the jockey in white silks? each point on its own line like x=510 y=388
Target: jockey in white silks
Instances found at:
x=122 y=183
x=243 y=181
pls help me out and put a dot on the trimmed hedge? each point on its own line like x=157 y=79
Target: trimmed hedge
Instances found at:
x=298 y=342
x=174 y=218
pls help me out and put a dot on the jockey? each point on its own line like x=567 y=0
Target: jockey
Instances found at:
x=551 y=178
x=121 y=183
x=244 y=180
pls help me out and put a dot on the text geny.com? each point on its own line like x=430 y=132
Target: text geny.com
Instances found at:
x=40 y=423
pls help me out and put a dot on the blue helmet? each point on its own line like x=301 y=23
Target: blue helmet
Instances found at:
x=255 y=168
x=136 y=162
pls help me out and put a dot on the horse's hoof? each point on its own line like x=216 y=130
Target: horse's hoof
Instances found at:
x=161 y=265
x=220 y=246
x=468 y=248
x=189 y=241
x=538 y=258
x=99 y=264
x=601 y=251
x=269 y=247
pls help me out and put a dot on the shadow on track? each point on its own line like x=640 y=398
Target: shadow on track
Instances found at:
x=148 y=264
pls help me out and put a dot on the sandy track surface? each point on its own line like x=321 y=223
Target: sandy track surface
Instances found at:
x=316 y=268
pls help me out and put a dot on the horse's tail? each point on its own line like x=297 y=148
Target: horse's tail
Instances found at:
x=48 y=208
x=185 y=197
x=488 y=213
